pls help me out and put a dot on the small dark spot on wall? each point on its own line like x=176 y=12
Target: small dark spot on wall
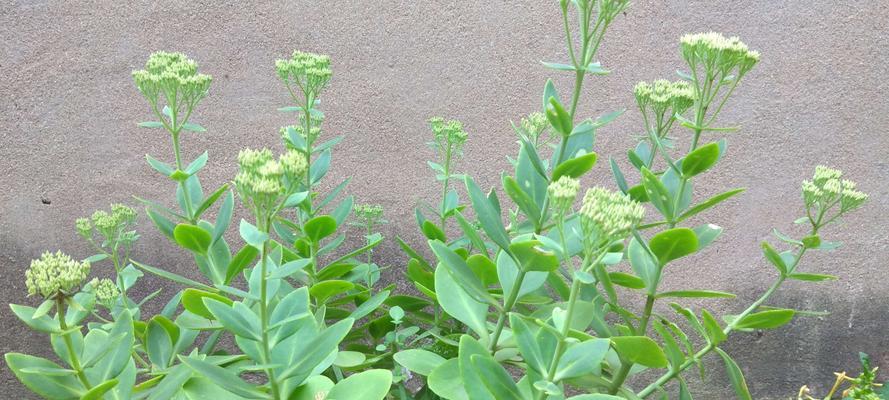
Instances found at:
x=45 y=200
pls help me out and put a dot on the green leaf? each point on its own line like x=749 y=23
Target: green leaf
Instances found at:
x=193 y=301
x=192 y=237
x=47 y=386
x=237 y=321
x=673 y=243
x=582 y=358
x=812 y=277
x=707 y=294
x=349 y=359
x=575 y=167
x=159 y=166
x=532 y=256
x=158 y=342
x=459 y=304
x=549 y=92
x=322 y=291
x=228 y=380
x=42 y=323
x=320 y=227
x=433 y=232
x=487 y=214
x=735 y=375
x=171 y=276
x=774 y=258
x=445 y=381
x=558 y=66
x=521 y=198
x=700 y=160
x=99 y=390
x=559 y=118
x=719 y=198
x=769 y=319
x=495 y=378
x=460 y=272
x=715 y=334
x=643 y=265
x=208 y=202
x=316 y=351
x=419 y=361
x=706 y=234
x=626 y=280
x=369 y=305
x=368 y=385
x=241 y=260
x=657 y=193
x=193 y=127
x=162 y=223
x=528 y=346
x=252 y=235
x=314 y=388
x=150 y=124
x=640 y=350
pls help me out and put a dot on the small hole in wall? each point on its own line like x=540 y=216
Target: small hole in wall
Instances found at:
x=45 y=200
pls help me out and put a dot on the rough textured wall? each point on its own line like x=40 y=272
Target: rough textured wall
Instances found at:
x=70 y=145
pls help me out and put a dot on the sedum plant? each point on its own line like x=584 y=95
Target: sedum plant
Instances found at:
x=550 y=299
x=552 y=291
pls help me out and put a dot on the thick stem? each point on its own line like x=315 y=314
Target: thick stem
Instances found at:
x=507 y=307
x=264 y=319
x=566 y=327
x=728 y=329
x=72 y=355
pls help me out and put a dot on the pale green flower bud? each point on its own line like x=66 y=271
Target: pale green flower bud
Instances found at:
x=826 y=189
x=448 y=134
x=84 y=227
x=106 y=291
x=175 y=76
x=294 y=164
x=369 y=212
x=55 y=274
x=611 y=215
x=534 y=125
x=664 y=98
x=714 y=51
x=563 y=192
x=309 y=72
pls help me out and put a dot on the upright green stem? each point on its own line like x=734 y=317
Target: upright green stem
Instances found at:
x=444 y=189
x=507 y=307
x=626 y=366
x=72 y=355
x=264 y=318
x=728 y=329
x=560 y=345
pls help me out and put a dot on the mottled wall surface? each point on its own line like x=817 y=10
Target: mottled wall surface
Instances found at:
x=69 y=145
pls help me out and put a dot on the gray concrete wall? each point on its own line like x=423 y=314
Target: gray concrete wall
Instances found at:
x=69 y=145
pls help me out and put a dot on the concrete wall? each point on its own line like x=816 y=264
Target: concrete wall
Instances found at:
x=69 y=145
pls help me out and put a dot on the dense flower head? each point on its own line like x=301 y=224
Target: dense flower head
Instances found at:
x=662 y=95
x=610 y=214
x=262 y=179
x=294 y=163
x=308 y=71
x=448 y=134
x=113 y=226
x=713 y=50
x=55 y=273
x=314 y=124
x=173 y=74
x=534 y=125
x=368 y=215
x=827 y=189
x=106 y=291
x=562 y=192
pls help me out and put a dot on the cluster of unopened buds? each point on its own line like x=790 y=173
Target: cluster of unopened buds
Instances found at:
x=827 y=189
x=55 y=274
x=608 y=214
x=534 y=126
x=314 y=130
x=262 y=179
x=307 y=72
x=448 y=134
x=562 y=193
x=112 y=226
x=369 y=214
x=717 y=53
x=175 y=76
x=664 y=97
x=106 y=291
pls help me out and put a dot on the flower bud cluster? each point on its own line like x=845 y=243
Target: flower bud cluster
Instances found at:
x=534 y=125
x=106 y=291
x=563 y=192
x=55 y=274
x=827 y=189
x=309 y=72
x=263 y=180
x=611 y=215
x=113 y=227
x=448 y=134
x=715 y=52
x=175 y=76
x=662 y=96
x=369 y=215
